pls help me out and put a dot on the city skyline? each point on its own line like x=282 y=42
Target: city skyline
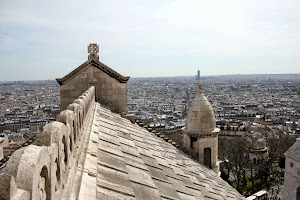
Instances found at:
x=44 y=41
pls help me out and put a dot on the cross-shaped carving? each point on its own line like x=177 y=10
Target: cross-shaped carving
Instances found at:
x=93 y=48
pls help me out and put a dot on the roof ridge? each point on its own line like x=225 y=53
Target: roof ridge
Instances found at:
x=99 y=65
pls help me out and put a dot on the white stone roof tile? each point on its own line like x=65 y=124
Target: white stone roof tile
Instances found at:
x=185 y=196
x=140 y=176
x=105 y=193
x=144 y=192
x=133 y=163
x=114 y=180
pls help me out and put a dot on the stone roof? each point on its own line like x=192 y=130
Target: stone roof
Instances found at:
x=125 y=161
x=99 y=65
x=201 y=116
x=294 y=151
x=91 y=153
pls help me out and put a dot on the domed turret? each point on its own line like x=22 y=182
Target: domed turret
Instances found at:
x=201 y=116
x=200 y=136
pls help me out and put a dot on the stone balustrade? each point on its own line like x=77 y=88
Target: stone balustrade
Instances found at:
x=47 y=168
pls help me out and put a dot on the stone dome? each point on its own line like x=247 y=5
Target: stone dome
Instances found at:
x=200 y=117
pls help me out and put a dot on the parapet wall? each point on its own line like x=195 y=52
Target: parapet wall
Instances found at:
x=46 y=169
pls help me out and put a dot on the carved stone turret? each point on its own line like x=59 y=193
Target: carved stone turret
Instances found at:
x=200 y=133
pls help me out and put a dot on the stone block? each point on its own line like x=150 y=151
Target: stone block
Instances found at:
x=123 y=92
x=130 y=117
x=123 y=86
x=32 y=172
x=110 y=80
x=67 y=87
x=68 y=118
x=10 y=190
x=97 y=75
x=108 y=93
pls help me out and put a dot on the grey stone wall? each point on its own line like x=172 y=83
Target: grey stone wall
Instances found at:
x=112 y=91
x=197 y=151
x=290 y=187
x=109 y=91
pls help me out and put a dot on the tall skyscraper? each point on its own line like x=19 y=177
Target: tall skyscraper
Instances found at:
x=198 y=75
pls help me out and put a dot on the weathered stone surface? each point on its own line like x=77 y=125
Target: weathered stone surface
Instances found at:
x=200 y=133
x=32 y=173
x=9 y=190
x=46 y=169
x=135 y=164
x=200 y=116
x=110 y=87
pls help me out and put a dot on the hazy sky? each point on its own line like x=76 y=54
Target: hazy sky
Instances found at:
x=138 y=38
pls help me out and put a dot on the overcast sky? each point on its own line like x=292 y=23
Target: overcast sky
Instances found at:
x=141 y=38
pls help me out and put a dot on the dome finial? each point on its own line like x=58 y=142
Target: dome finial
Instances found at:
x=200 y=86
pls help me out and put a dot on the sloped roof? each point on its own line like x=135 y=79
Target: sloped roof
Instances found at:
x=97 y=64
x=125 y=161
x=293 y=151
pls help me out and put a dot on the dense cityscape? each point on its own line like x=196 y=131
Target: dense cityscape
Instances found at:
x=147 y=100
x=261 y=107
x=237 y=100
x=26 y=106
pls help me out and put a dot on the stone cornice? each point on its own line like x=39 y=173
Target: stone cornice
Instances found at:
x=99 y=65
x=205 y=131
x=202 y=133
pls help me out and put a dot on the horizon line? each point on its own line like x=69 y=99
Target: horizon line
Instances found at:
x=168 y=76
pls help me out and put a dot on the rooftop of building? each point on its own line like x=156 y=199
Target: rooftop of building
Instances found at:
x=129 y=162
x=293 y=152
x=92 y=153
x=93 y=50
